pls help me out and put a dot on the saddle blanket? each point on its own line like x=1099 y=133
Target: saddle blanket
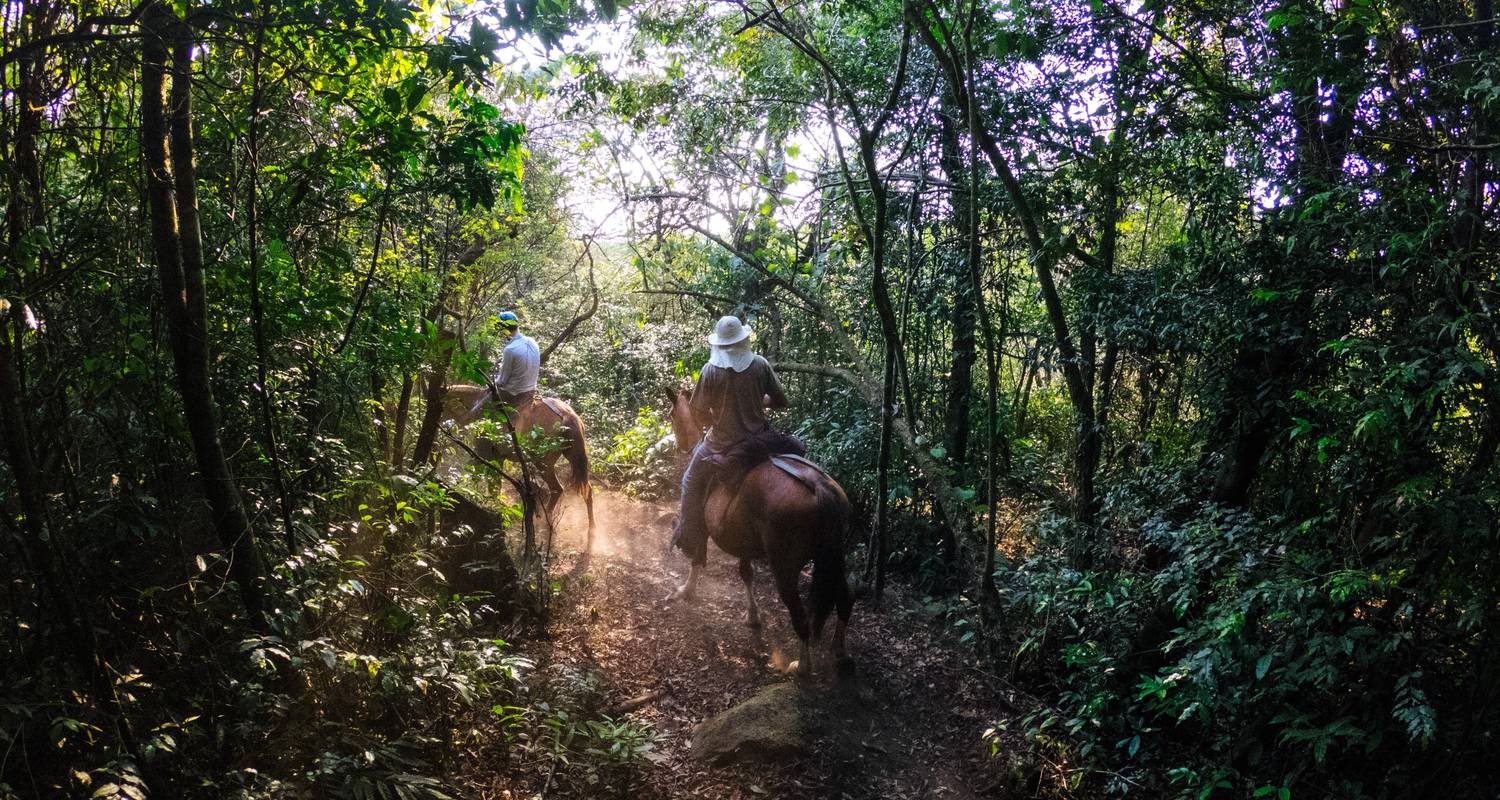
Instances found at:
x=754 y=450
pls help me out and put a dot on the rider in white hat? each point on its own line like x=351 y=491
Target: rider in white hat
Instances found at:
x=734 y=390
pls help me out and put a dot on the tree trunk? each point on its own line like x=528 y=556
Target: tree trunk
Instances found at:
x=24 y=214
x=398 y=432
x=257 y=309
x=364 y=286
x=883 y=475
x=177 y=246
x=39 y=539
x=874 y=230
x=437 y=386
x=1022 y=398
x=992 y=432
x=377 y=394
x=964 y=352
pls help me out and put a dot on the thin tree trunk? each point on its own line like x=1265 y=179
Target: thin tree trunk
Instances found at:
x=883 y=474
x=874 y=230
x=25 y=212
x=1263 y=370
x=403 y=410
x=944 y=533
x=1106 y=390
x=39 y=538
x=1148 y=386
x=991 y=347
x=177 y=245
x=382 y=424
x=257 y=308
x=964 y=351
x=364 y=286
x=1023 y=401
x=437 y=387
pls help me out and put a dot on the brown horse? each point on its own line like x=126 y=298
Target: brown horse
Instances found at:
x=788 y=519
x=550 y=418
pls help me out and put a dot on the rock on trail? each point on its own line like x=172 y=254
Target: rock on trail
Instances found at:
x=769 y=726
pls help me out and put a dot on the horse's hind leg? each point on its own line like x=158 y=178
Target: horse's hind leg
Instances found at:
x=747 y=574
x=688 y=590
x=588 y=501
x=554 y=486
x=786 y=586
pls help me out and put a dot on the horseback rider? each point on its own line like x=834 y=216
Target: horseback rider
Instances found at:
x=520 y=363
x=734 y=390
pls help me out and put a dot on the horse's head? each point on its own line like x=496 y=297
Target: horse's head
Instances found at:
x=685 y=429
x=461 y=402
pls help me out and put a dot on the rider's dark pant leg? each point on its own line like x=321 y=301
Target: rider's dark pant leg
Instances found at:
x=518 y=400
x=692 y=532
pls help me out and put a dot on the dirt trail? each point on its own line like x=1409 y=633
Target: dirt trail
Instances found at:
x=908 y=724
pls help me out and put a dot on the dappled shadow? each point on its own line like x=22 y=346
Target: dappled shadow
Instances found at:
x=901 y=718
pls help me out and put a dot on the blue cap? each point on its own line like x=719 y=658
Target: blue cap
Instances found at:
x=508 y=319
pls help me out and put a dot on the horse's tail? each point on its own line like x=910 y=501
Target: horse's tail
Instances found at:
x=578 y=465
x=578 y=459
x=830 y=586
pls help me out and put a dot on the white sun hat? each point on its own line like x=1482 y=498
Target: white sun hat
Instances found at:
x=730 y=345
x=728 y=331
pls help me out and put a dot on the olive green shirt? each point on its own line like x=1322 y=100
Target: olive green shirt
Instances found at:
x=733 y=403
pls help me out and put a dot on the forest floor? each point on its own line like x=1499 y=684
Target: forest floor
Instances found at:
x=904 y=719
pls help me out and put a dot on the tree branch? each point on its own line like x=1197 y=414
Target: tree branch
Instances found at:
x=578 y=318
x=84 y=32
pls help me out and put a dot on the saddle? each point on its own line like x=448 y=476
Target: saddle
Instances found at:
x=549 y=403
x=767 y=446
x=495 y=450
x=797 y=467
x=783 y=450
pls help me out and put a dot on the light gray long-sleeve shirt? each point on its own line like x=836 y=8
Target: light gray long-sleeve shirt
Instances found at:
x=520 y=365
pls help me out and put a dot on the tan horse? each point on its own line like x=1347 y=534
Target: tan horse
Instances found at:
x=551 y=418
x=788 y=519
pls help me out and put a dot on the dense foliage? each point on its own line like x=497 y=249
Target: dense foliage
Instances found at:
x=1189 y=310
x=248 y=242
